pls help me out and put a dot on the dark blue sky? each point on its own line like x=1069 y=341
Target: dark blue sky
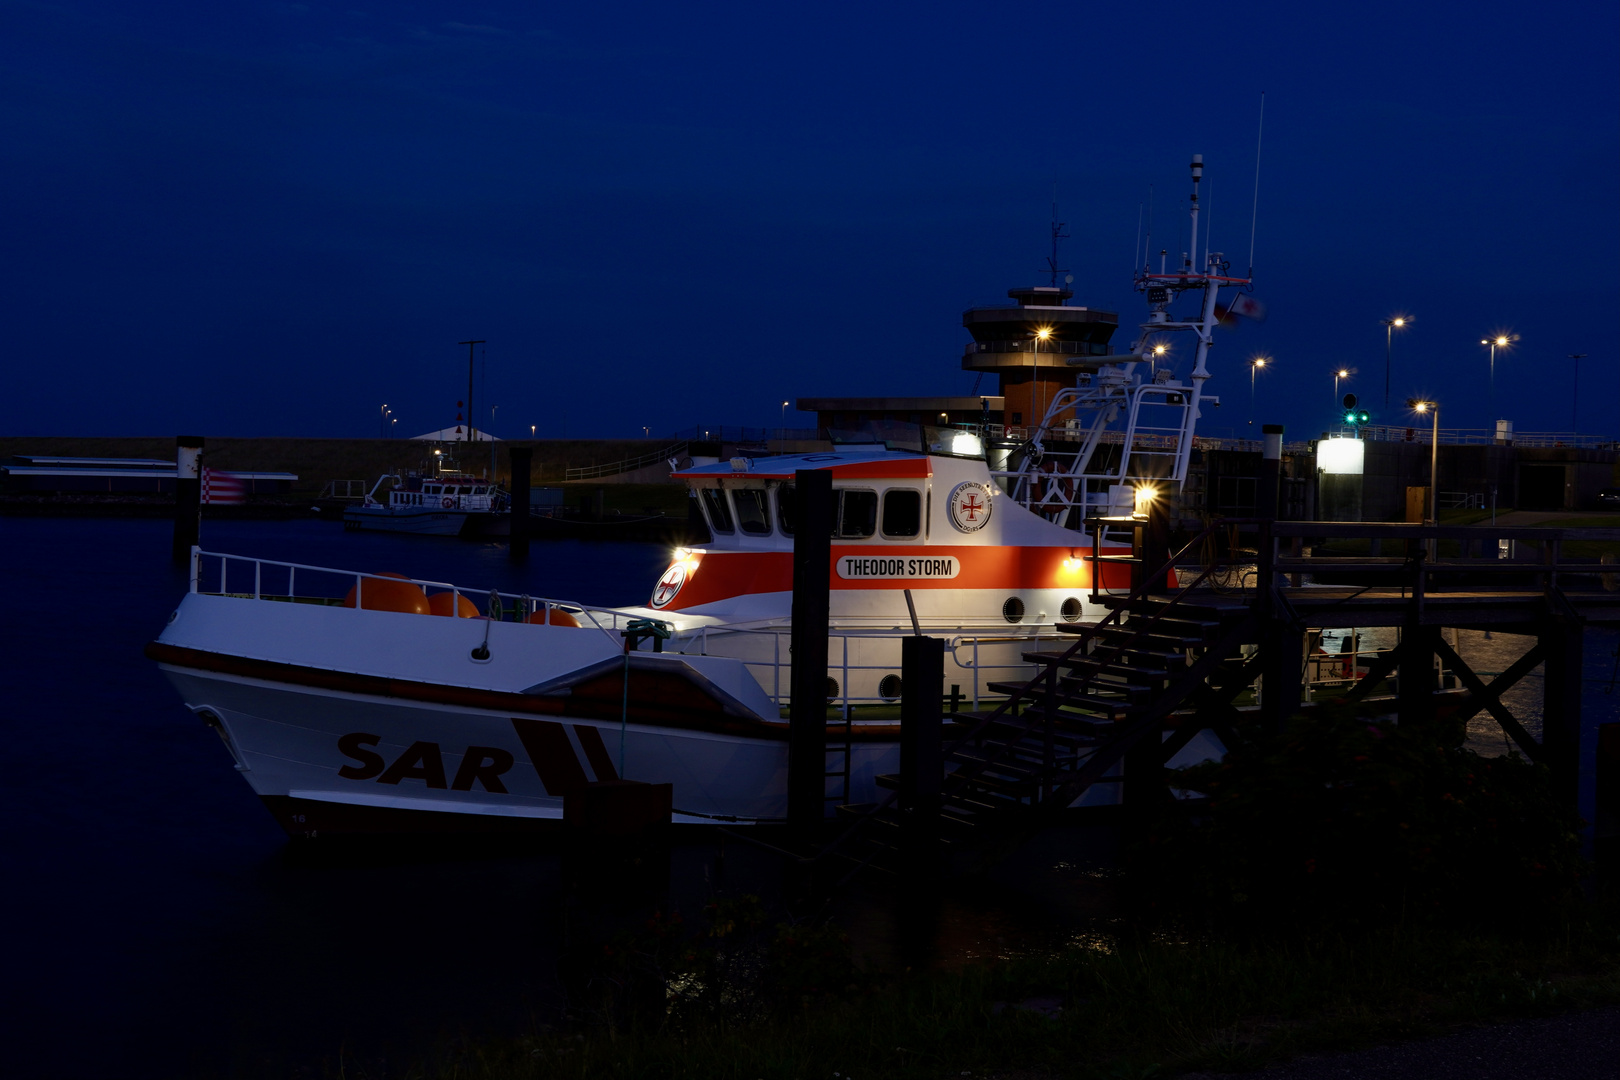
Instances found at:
x=272 y=218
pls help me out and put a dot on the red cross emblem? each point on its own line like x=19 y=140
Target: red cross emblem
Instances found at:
x=669 y=585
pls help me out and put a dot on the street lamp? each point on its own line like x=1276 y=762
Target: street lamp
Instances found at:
x=783 y=428
x=1255 y=364
x=1500 y=341
x=1390 y=326
x=1040 y=335
x=1421 y=406
x=531 y=431
x=1575 y=399
x=1340 y=373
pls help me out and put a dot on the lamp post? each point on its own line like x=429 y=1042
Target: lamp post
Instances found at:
x=782 y=429
x=1421 y=406
x=531 y=431
x=1339 y=373
x=1040 y=411
x=1153 y=357
x=1575 y=397
x=1255 y=364
x=1500 y=341
x=1390 y=326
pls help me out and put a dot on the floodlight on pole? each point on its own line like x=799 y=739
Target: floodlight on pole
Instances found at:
x=1421 y=405
x=1498 y=341
x=1255 y=364
x=1392 y=324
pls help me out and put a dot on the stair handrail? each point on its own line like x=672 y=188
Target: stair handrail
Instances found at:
x=959 y=776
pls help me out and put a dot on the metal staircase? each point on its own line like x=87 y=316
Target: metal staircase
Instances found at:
x=1147 y=669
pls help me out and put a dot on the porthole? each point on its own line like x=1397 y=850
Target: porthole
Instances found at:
x=1070 y=611
x=889 y=688
x=1013 y=610
x=832 y=689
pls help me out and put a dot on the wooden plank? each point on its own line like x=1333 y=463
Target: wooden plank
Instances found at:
x=1490 y=699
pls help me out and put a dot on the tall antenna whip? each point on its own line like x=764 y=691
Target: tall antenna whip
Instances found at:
x=1254 y=214
x=1147 y=248
x=1136 y=247
x=1057 y=234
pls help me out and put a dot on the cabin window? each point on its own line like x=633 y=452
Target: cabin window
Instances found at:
x=430 y=489
x=753 y=511
x=787 y=507
x=714 y=504
x=902 y=513
x=478 y=491
x=857 y=514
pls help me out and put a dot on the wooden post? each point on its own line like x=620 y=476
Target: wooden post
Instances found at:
x=522 y=461
x=807 y=711
x=1569 y=735
x=187 y=496
x=922 y=772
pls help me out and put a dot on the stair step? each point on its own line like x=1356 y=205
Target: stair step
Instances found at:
x=1083 y=661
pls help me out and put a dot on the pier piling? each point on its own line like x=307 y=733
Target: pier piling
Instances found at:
x=187 y=496
x=807 y=711
x=522 y=459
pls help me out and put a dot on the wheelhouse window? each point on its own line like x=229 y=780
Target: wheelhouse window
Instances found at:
x=857 y=514
x=902 y=513
x=719 y=513
x=787 y=508
x=753 y=511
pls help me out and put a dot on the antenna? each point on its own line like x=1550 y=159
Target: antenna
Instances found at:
x=1192 y=246
x=1254 y=215
x=1209 y=223
x=1147 y=248
x=470 y=414
x=1057 y=234
x=1136 y=247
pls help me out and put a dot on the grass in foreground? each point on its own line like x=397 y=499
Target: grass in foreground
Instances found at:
x=1110 y=1007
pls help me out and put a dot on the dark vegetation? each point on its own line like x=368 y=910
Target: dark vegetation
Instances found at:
x=1346 y=882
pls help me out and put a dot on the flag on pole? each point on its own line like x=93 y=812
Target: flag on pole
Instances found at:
x=223 y=488
x=1248 y=307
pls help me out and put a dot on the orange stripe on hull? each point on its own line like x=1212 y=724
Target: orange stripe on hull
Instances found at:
x=723 y=575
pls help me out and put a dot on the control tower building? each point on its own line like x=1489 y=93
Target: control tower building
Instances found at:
x=1027 y=344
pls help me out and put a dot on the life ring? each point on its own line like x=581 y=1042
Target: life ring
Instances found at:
x=448 y=502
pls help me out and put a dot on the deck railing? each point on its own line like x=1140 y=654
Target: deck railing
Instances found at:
x=220 y=574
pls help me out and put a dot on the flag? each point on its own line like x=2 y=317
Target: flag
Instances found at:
x=1248 y=307
x=223 y=488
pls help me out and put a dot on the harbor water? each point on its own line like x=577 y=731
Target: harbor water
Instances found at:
x=159 y=923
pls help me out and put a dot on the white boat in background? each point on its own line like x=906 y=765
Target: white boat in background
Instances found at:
x=449 y=504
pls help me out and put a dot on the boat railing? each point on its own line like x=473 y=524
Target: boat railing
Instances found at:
x=216 y=573
x=968 y=651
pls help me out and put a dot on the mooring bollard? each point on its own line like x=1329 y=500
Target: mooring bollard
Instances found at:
x=522 y=459
x=187 y=496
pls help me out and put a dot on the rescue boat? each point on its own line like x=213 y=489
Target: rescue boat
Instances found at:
x=355 y=701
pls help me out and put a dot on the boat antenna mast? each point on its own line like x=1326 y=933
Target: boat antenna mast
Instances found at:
x=1057 y=234
x=471 y=434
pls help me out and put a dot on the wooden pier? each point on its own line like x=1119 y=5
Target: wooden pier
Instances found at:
x=1172 y=661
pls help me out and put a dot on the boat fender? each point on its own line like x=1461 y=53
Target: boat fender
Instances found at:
x=390 y=592
x=440 y=604
x=551 y=615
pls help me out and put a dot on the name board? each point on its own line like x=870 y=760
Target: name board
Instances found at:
x=873 y=567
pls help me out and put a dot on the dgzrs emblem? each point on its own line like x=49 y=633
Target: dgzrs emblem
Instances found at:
x=669 y=585
x=970 y=506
